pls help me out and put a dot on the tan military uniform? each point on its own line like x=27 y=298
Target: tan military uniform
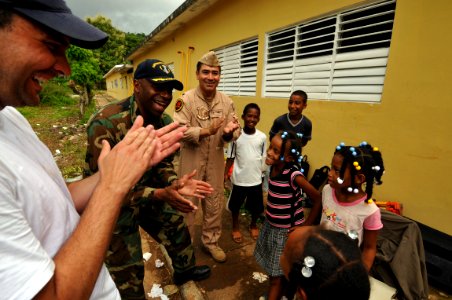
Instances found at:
x=206 y=155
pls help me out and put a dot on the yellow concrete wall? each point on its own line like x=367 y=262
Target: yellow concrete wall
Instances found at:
x=411 y=125
x=119 y=92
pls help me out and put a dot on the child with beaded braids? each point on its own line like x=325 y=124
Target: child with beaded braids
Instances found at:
x=324 y=264
x=284 y=205
x=347 y=204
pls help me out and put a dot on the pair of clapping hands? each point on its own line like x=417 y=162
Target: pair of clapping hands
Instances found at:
x=228 y=129
x=141 y=149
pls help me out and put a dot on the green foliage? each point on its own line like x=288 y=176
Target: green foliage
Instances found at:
x=27 y=111
x=119 y=44
x=84 y=66
x=60 y=106
x=113 y=52
x=56 y=93
x=50 y=112
x=133 y=40
x=89 y=66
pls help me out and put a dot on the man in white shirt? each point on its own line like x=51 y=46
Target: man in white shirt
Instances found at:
x=53 y=238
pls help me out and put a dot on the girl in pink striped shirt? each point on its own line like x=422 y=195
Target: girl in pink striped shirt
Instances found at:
x=284 y=205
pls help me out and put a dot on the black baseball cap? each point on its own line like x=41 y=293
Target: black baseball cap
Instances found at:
x=157 y=72
x=56 y=15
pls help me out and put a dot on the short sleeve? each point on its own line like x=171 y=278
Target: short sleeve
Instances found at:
x=373 y=221
x=293 y=177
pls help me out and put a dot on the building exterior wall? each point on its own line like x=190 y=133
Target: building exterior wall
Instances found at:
x=410 y=124
x=119 y=85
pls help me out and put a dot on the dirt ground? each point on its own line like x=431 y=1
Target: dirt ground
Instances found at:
x=102 y=99
x=234 y=278
x=230 y=280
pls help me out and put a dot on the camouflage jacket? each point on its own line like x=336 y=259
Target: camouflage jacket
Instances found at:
x=111 y=123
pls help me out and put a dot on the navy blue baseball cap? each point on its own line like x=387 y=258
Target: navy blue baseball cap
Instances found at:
x=56 y=15
x=157 y=72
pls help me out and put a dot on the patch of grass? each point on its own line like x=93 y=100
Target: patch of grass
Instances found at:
x=58 y=125
x=61 y=131
x=56 y=93
x=51 y=112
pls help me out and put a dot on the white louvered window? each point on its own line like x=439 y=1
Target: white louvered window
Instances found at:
x=340 y=57
x=238 y=68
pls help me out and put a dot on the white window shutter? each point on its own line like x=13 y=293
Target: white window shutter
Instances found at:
x=339 y=57
x=238 y=68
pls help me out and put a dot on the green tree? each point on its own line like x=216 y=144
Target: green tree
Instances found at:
x=133 y=40
x=85 y=73
x=113 y=52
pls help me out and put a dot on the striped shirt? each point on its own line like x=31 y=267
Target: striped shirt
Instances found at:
x=284 y=205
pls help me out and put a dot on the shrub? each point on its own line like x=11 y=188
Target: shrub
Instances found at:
x=56 y=93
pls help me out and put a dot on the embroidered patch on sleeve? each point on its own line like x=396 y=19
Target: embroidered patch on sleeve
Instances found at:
x=179 y=104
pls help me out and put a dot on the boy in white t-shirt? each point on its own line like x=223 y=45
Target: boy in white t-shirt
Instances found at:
x=247 y=154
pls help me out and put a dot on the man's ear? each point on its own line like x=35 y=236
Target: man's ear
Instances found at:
x=136 y=86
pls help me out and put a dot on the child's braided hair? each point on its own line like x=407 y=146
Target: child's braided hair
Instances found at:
x=338 y=271
x=363 y=159
x=294 y=140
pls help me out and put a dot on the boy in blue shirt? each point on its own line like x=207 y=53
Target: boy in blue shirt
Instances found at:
x=294 y=120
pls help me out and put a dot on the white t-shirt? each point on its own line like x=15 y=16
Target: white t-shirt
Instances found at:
x=249 y=152
x=349 y=217
x=37 y=214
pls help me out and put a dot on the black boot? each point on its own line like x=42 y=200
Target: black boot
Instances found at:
x=197 y=273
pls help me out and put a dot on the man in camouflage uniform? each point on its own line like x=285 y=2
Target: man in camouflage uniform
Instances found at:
x=155 y=201
x=212 y=122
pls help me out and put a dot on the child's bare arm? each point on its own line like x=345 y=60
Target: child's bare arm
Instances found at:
x=369 y=247
x=314 y=194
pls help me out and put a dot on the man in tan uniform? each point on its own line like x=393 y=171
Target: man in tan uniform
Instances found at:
x=211 y=120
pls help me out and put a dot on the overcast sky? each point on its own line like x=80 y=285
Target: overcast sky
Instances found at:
x=138 y=16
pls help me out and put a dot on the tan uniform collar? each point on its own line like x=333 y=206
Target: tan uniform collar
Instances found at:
x=201 y=96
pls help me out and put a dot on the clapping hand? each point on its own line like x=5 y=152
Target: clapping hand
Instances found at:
x=167 y=142
x=215 y=125
x=186 y=186
x=231 y=126
x=121 y=167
